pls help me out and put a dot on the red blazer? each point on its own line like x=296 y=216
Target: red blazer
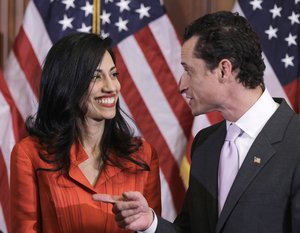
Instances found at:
x=46 y=201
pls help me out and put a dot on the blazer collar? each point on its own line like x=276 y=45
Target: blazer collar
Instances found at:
x=78 y=155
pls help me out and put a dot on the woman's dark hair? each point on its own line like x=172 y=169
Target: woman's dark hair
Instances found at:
x=67 y=72
x=228 y=35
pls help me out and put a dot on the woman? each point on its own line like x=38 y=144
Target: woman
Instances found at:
x=79 y=145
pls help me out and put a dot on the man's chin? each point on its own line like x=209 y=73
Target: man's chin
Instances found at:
x=197 y=112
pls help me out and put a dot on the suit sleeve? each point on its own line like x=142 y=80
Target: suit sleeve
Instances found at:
x=180 y=225
x=295 y=202
x=152 y=190
x=23 y=193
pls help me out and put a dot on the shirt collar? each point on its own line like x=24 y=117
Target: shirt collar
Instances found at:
x=256 y=117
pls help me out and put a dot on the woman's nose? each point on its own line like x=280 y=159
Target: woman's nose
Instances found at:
x=109 y=85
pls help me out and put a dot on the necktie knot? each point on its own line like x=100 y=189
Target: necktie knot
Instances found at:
x=233 y=132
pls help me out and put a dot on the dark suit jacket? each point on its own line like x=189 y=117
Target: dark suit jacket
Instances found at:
x=265 y=196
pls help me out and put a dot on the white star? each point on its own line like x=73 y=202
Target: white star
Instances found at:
x=105 y=17
x=122 y=24
x=66 y=22
x=123 y=4
x=256 y=4
x=271 y=32
x=84 y=28
x=291 y=39
x=143 y=11
x=294 y=18
x=88 y=9
x=276 y=11
x=103 y=34
x=107 y=1
x=296 y=1
x=69 y=3
x=288 y=61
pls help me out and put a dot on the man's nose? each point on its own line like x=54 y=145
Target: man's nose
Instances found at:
x=182 y=85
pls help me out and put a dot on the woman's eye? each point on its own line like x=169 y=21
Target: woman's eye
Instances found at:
x=96 y=77
x=115 y=75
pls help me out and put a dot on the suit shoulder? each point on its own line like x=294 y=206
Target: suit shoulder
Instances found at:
x=204 y=133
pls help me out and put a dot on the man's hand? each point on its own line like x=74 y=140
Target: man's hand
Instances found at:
x=131 y=210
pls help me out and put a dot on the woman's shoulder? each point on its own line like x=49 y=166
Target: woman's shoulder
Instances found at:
x=147 y=151
x=28 y=142
x=28 y=145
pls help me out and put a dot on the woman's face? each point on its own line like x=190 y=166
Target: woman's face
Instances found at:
x=103 y=91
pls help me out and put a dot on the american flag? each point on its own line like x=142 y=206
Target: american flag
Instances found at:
x=278 y=25
x=148 y=60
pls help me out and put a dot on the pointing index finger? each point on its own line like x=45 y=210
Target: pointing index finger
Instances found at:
x=107 y=198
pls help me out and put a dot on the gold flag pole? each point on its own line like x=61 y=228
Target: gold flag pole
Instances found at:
x=96 y=16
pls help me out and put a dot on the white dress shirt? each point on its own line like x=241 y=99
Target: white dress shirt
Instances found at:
x=251 y=123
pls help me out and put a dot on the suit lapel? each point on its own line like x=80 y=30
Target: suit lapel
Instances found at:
x=259 y=154
x=204 y=167
x=212 y=170
x=257 y=157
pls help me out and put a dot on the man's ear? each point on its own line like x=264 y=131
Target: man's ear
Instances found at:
x=225 y=68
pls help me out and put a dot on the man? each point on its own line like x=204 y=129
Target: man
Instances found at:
x=223 y=71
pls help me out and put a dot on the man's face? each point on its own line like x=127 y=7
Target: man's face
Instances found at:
x=200 y=85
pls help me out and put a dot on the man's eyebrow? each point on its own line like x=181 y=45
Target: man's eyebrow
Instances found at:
x=186 y=66
x=183 y=64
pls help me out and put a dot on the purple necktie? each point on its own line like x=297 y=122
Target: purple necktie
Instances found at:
x=229 y=163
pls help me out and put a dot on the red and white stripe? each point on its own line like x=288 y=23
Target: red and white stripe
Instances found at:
x=7 y=140
x=18 y=94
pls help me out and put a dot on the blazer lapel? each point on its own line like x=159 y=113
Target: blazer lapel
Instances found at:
x=77 y=156
x=259 y=154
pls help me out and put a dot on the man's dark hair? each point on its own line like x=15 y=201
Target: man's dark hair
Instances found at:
x=227 y=35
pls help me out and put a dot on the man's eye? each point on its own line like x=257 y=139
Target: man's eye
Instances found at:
x=187 y=72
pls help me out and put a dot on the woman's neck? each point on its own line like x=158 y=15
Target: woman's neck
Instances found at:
x=90 y=136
